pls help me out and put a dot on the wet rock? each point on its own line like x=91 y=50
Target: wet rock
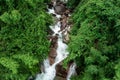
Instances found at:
x=54 y=43
x=53 y=2
x=50 y=5
x=59 y=78
x=52 y=53
x=63 y=26
x=61 y=71
x=63 y=22
x=49 y=31
x=66 y=38
x=51 y=60
x=60 y=9
x=49 y=37
x=54 y=15
x=42 y=68
x=67 y=13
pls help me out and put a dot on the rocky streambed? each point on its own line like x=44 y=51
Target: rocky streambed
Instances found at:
x=52 y=67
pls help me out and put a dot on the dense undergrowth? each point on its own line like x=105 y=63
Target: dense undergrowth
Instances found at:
x=23 y=37
x=95 y=39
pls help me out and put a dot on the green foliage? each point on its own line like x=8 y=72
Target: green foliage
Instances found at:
x=12 y=18
x=23 y=37
x=5 y=17
x=72 y=3
x=117 y=69
x=26 y=59
x=95 y=39
x=9 y=64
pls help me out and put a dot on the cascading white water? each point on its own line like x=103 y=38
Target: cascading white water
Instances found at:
x=71 y=71
x=49 y=73
x=49 y=70
x=56 y=28
x=65 y=1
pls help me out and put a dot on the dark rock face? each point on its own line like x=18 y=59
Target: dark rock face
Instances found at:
x=67 y=13
x=50 y=5
x=51 y=60
x=63 y=22
x=60 y=8
x=61 y=71
x=54 y=43
x=49 y=31
x=52 y=53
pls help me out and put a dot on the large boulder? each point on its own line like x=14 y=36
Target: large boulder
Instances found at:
x=52 y=53
x=60 y=9
x=54 y=43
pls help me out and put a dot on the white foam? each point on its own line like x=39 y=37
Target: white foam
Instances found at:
x=51 y=11
x=71 y=71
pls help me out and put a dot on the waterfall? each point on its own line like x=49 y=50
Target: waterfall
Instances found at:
x=49 y=70
x=71 y=71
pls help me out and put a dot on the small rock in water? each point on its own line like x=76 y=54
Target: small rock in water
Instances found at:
x=42 y=67
x=66 y=38
x=49 y=31
x=51 y=60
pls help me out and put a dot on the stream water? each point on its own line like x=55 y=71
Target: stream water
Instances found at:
x=62 y=53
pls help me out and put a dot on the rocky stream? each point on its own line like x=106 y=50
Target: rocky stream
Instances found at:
x=52 y=68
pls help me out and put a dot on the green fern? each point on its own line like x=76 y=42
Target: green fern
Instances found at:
x=10 y=64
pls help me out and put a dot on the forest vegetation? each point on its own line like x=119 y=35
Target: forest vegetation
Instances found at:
x=23 y=42
x=94 y=38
